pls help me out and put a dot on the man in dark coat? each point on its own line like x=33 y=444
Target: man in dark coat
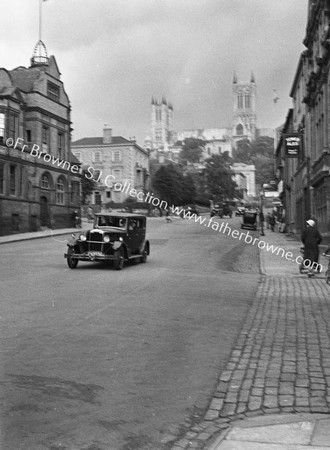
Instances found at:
x=311 y=238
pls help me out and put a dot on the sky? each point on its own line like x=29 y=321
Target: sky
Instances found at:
x=114 y=55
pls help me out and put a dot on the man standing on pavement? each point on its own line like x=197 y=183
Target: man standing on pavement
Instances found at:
x=311 y=238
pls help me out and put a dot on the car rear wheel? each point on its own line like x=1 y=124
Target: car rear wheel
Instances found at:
x=72 y=263
x=144 y=256
x=119 y=259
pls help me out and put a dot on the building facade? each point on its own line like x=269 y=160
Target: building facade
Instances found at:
x=111 y=160
x=307 y=176
x=39 y=177
x=249 y=173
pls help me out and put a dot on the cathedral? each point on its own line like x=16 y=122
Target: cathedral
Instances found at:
x=165 y=143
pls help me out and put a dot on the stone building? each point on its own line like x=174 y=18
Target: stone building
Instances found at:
x=111 y=160
x=306 y=175
x=39 y=177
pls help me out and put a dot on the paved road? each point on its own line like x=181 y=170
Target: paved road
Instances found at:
x=95 y=359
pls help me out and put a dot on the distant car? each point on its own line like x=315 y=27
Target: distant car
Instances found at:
x=240 y=210
x=250 y=219
x=189 y=211
x=116 y=237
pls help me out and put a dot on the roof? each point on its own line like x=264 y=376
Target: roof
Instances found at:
x=25 y=78
x=88 y=141
x=73 y=159
x=119 y=214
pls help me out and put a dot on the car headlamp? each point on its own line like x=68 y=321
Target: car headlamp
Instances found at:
x=106 y=238
x=82 y=237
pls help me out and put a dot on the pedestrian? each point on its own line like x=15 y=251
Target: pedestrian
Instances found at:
x=272 y=221
x=268 y=220
x=168 y=217
x=311 y=238
x=261 y=223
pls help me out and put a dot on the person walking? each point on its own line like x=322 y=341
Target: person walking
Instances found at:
x=272 y=221
x=261 y=223
x=311 y=238
x=168 y=217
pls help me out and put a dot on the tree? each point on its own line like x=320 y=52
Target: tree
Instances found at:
x=87 y=185
x=192 y=150
x=260 y=153
x=173 y=186
x=219 y=178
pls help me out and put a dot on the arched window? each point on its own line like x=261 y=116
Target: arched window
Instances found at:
x=60 y=191
x=45 y=181
x=239 y=129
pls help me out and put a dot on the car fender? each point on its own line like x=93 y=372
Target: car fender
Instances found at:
x=146 y=244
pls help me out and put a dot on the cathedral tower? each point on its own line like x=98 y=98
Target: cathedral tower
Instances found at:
x=244 y=120
x=161 y=123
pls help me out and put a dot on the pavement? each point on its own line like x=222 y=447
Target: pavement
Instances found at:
x=275 y=391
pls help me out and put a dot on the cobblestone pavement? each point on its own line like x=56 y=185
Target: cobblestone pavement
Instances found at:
x=281 y=360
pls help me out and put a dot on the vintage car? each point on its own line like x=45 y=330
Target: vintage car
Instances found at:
x=116 y=237
x=240 y=211
x=250 y=219
x=222 y=209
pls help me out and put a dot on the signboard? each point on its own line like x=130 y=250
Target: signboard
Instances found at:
x=292 y=144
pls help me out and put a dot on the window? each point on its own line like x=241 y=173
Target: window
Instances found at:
x=45 y=184
x=53 y=91
x=239 y=130
x=45 y=139
x=240 y=100
x=97 y=157
x=108 y=193
x=12 y=179
x=2 y=127
x=247 y=101
x=97 y=197
x=60 y=191
x=28 y=136
x=21 y=179
x=60 y=144
x=117 y=174
x=116 y=156
x=2 y=189
x=78 y=155
x=13 y=126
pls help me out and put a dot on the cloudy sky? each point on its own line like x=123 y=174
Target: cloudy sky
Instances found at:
x=114 y=55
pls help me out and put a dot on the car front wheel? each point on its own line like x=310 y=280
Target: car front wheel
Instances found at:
x=72 y=263
x=119 y=259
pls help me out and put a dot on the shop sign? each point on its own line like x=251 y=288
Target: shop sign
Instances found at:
x=292 y=143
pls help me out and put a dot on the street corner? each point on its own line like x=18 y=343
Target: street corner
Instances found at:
x=276 y=432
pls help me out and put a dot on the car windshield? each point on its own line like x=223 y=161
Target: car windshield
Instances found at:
x=108 y=221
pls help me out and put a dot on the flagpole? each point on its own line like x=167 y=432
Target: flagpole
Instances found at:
x=40 y=18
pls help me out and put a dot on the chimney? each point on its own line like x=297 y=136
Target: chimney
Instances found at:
x=107 y=134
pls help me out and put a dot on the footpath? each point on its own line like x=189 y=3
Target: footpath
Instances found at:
x=275 y=391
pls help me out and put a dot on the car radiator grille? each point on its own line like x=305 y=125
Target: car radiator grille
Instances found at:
x=95 y=242
x=94 y=247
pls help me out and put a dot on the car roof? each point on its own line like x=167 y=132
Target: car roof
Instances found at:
x=119 y=214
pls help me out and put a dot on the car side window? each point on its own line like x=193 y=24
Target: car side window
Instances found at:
x=132 y=225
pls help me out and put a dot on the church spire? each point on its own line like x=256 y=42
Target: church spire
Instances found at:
x=252 y=77
x=234 y=78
